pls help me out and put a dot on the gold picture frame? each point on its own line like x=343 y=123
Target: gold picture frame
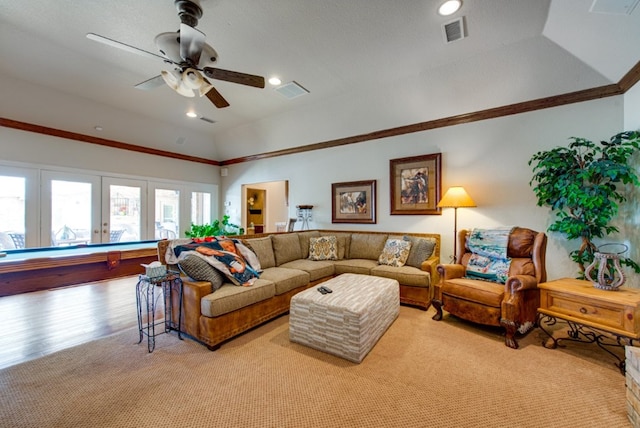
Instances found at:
x=415 y=185
x=353 y=202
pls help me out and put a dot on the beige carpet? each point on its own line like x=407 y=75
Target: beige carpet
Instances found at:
x=422 y=373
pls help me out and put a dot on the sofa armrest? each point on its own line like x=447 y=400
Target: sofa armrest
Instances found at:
x=430 y=265
x=192 y=294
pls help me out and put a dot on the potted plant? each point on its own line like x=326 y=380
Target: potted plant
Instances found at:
x=583 y=185
x=216 y=228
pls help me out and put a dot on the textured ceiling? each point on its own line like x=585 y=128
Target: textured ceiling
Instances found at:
x=368 y=64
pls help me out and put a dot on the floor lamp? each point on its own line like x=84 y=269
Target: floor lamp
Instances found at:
x=456 y=197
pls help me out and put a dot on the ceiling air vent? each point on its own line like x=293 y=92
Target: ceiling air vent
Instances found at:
x=291 y=90
x=206 y=119
x=453 y=30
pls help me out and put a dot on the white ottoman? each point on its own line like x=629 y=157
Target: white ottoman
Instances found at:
x=349 y=321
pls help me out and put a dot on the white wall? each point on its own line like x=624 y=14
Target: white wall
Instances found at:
x=488 y=158
x=29 y=147
x=630 y=212
x=632 y=109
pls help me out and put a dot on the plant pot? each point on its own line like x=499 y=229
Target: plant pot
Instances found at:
x=605 y=272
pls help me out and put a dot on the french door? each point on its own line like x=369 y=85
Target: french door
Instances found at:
x=123 y=203
x=44 y=208
x=70 y=213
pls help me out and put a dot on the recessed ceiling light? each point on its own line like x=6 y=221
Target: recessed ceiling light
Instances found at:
x=191 y=114
x=449 y=7
x=275 y=81
x=98 y=128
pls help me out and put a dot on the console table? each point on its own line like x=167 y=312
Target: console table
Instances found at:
x=607 y=318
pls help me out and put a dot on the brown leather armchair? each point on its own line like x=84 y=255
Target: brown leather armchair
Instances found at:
x=512 y=305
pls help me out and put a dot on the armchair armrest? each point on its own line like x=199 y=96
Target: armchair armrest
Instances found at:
x=449 y=271
x=517 y=283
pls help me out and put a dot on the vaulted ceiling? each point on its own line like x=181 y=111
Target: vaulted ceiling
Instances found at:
x=367 y=64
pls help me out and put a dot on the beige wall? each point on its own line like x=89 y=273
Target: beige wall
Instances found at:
x=488 y=158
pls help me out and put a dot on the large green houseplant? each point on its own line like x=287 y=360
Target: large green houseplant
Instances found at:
x=583 y=185
x=216 y=228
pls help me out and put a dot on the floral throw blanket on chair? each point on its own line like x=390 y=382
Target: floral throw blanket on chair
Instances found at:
x=489 y=259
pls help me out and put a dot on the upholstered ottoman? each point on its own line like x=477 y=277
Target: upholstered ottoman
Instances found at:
x=349 y=321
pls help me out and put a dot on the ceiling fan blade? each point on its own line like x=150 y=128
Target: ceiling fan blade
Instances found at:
x=152 y=83
x=191 y=44
x=216 y=98
x=234 y=77
x=123 y=46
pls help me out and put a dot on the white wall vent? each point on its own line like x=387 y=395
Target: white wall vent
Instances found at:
x=291 y=90
x=206 y=119
x=454 y=30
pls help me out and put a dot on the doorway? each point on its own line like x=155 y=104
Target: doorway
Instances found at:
x=270 y=205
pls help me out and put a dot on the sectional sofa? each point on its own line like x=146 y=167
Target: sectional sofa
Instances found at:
x=215 y=310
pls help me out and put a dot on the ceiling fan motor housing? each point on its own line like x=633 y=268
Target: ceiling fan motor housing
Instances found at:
x=188 y=12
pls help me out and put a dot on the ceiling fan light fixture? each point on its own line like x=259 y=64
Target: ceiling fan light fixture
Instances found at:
x=171 y=78
x=192 y=78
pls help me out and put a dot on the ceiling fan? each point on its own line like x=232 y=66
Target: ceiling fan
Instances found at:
x=190 y=56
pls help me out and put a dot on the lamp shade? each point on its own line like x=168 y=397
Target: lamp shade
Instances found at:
x=456 y=197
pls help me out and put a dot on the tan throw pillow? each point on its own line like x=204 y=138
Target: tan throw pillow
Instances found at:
x=421 y=250
x=323 y=248
x=395 y=252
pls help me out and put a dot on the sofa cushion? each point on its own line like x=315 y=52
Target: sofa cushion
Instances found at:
x=285 y=279
x=366 y=245
x=264 y=250
x=305 y=238
x=230 y=298
x=323 y=248
x=360 y=266
x=200 y=270
x=395 y=252
x=405 y=275
x=316 y=269
x=286 y=247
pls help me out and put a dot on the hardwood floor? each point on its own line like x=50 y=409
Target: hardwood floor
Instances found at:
x=43 y=322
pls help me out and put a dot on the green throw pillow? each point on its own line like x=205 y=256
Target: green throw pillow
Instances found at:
x=199 y=270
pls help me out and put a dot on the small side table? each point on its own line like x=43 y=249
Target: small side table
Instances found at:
x=149 y=290
x=606 y=318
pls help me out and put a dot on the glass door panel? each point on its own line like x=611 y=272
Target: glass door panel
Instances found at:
x=125 y=203
x=12 y=212
x=70 y=209
x=70 y=212
x=200 y=207
x=167 y=213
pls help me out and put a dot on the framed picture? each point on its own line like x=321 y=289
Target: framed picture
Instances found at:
x=415 y=185
x=353 y=202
